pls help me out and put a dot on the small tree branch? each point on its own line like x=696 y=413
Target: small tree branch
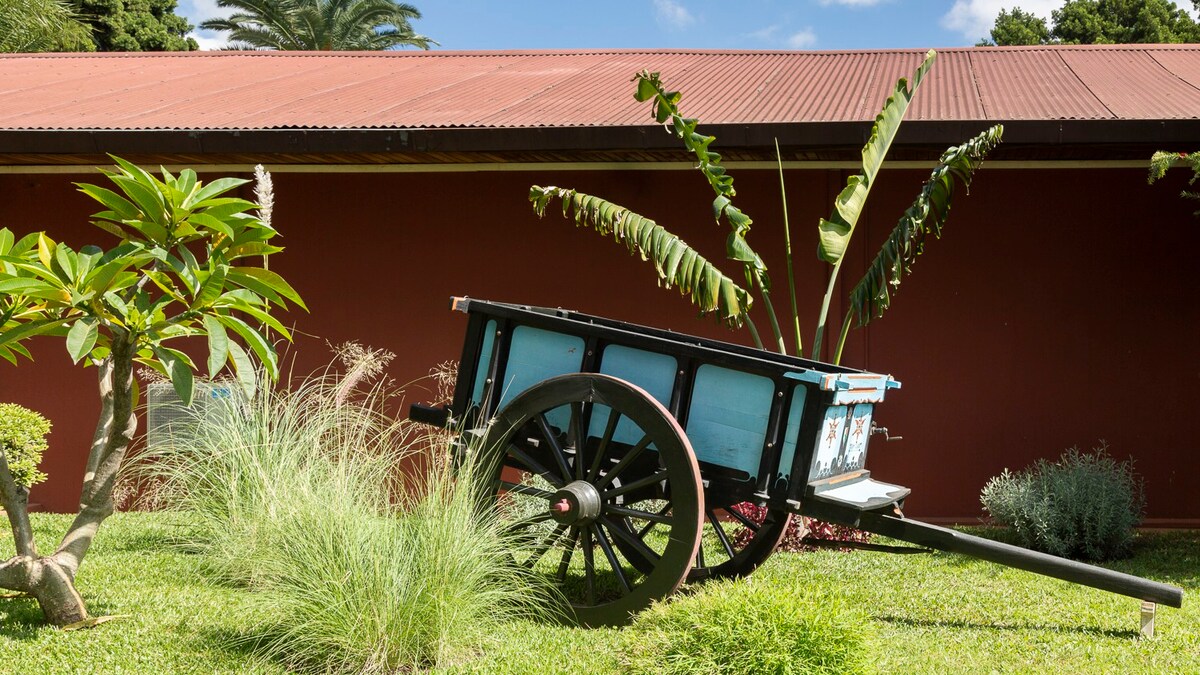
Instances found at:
x=16 y=574
x=15 y=500
x=108 y=452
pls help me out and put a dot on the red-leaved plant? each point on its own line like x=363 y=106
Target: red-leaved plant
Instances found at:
x=798 y=530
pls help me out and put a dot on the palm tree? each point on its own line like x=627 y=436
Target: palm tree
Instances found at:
x=319 y=25
x=42 y=26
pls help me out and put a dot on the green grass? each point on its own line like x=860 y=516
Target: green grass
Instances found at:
x=177 y=622
x=925 y=613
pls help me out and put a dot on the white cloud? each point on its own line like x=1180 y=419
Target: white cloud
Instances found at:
x=673 y=14
x=974 y=19
x=802 y=39
x=196 y=11
x=851 y=3
x=764 y=34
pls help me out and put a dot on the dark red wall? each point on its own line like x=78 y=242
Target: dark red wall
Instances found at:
x=1056 y=311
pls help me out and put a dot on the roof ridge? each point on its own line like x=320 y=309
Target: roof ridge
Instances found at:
x=481 y=53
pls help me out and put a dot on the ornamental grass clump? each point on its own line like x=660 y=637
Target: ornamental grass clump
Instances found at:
x=357 y=566
x=1084 y=506
x=738 y=626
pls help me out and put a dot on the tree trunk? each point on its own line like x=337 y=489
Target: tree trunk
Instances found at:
x=51 y=579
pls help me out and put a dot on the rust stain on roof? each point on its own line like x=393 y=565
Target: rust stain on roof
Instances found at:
x=514 y=89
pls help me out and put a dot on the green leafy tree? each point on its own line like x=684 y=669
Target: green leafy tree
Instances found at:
x=136 y=25
x=42 y=26
x=1017 y=27
x=172 y=276
x=319 y=25
x=1084 y=22
x=1161 y=161
x=678 y=264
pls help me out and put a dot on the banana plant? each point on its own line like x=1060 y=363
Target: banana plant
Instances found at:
x=870 y=296
x=180 y=270
x=676 y=263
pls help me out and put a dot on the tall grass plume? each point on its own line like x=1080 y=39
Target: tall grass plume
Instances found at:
x=307 y=498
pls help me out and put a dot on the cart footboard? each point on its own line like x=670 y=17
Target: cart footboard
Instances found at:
x=949 y=540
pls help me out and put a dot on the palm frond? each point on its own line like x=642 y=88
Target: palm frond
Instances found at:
x=928 y=213
x=675 y=262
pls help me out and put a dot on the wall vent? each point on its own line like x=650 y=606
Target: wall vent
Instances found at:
x=169 y=421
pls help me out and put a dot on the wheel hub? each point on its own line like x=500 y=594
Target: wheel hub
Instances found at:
x=576 y=503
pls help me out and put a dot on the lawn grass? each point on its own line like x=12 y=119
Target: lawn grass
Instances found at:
x=927 y=613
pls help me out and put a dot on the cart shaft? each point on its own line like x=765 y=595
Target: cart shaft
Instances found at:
x=945 y=539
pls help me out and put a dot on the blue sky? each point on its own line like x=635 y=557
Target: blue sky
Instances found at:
x=697 y=24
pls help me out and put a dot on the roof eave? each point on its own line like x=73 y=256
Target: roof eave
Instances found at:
x=1046 y=138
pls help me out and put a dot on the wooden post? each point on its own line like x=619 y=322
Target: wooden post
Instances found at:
x=1148 y=619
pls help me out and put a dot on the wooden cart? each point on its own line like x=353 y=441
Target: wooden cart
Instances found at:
x=620 y=452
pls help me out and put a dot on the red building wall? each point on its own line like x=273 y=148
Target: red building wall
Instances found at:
x=1056 y=311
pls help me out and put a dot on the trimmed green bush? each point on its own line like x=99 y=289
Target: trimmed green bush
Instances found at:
x=737 y=626
x=23 y=440
x=1083 y=506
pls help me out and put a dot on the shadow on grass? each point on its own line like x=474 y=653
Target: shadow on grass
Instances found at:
x=1015 y=627
x=21 y=618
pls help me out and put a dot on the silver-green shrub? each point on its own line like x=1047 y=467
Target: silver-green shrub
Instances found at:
x=23 y=440
x=1084 y=506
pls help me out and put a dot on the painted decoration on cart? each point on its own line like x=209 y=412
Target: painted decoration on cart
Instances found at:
x=854 y=456
x=842 y=442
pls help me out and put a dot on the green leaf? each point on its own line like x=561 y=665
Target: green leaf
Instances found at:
x=176 y=365
x=255 y=278
x=218 y=344
x=211 y=224
x=211 y=287
x=243 y=368
x=81 y=338
x=31 y=328
x=836 y=231
x=23 y=285
x=6 y=240
x=262 y=349
x=871 y=297
x=216 y=187
x=121 y=207
x=149 y=201
x=676 y=263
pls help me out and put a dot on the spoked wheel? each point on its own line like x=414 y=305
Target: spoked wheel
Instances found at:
x=585 y=463
x=723 y=553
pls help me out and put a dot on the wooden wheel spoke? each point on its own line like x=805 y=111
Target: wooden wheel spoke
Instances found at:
x=535 y=466
x=746 y=522
x=639 y=514
x=650 y=525
x=625 y=461
x=653 y=478
x=578 y=434
x=560 y=457
x=530 y=490
x=606 y=546
x=564 y=561
x=517 y=525
x=545 y=545
x=633 y=540
x=610 y=429
x=719 y=530
x=589 y=566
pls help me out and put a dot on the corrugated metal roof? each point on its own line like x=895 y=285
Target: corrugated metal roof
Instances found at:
x=521 y=89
